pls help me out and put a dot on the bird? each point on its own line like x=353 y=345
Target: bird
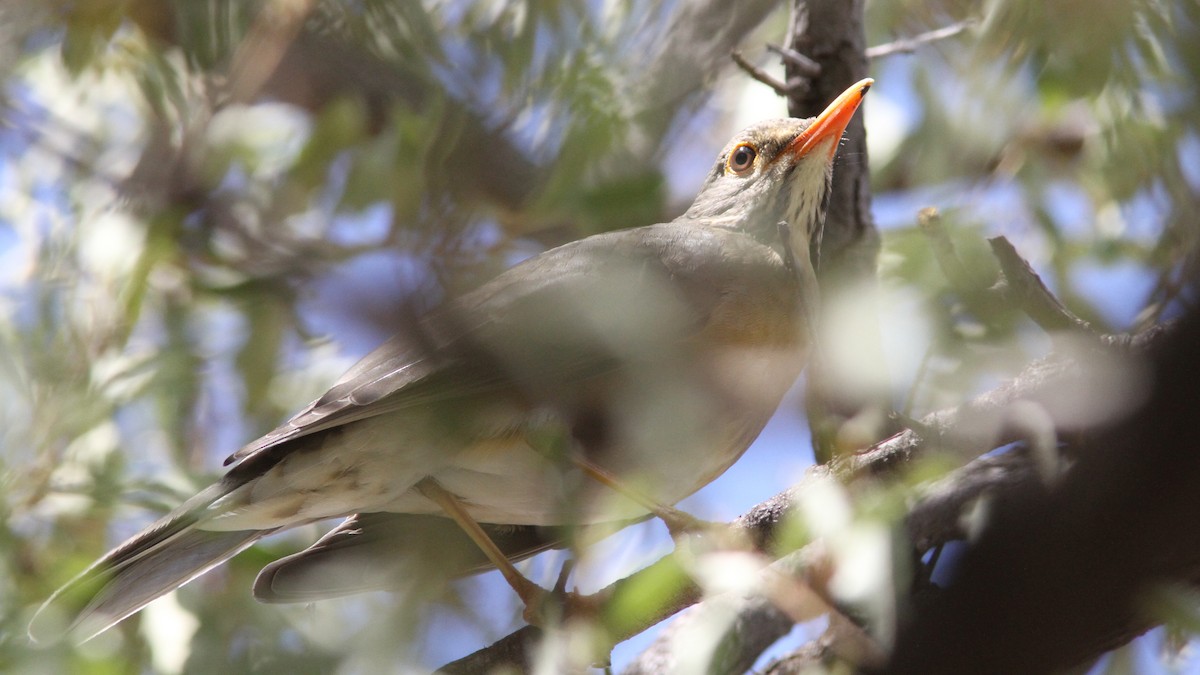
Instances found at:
x=592 y=385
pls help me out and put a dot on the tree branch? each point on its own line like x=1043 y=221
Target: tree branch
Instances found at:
x=759 y=74
x=1031 y=295
x=910 y=45
x=804 y=66
x=830 y=35
x=937 y=515
x=929 y=220
x=966 y=431
x=1089 y=548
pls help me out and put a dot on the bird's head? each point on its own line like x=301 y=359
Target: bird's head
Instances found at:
x=778 y=171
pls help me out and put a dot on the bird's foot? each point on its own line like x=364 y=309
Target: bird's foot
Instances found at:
x=548 y=608
x=544 y=608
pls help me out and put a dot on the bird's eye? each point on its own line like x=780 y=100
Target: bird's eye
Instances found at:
x=741 y=159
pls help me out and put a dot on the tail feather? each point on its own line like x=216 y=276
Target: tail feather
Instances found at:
x=154 y=562
x=392 y=552
x=402 y=552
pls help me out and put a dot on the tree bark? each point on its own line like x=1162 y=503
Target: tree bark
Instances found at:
x=830 y=34
x=1065 y=572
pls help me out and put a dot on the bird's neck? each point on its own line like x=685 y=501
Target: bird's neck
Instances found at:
x=731 y=215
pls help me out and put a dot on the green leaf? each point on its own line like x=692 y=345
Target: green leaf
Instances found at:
x=340 y=125
x=643 y=594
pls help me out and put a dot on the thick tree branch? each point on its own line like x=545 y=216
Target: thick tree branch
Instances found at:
x=1090 y=548
x=829 y=34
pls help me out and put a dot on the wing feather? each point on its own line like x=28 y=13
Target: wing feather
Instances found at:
x=538 y=329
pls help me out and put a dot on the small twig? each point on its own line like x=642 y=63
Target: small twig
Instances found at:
x=560 y=586
x=759 y=74
x=807 y=67
x=910 y=398
x=909 y=45
x=930 y=222
x=1031 y=295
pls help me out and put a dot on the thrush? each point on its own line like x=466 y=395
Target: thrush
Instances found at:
x=599 y=382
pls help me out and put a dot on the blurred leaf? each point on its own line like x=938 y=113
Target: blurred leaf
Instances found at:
x=268 y=312
x=89 y=27
x=1178 y=606
x=628 y=201
x=340 y=125
x=160 y=246
x=373 y=175
x=641 y=596
x=177 y=384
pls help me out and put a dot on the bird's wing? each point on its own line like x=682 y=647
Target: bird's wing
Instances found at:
x=388 y=369
x=538 y=329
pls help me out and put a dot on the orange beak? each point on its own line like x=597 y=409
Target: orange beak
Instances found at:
x=830 y=123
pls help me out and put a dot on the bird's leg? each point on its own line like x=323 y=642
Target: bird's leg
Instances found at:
x=530 y=593
x=678 y=522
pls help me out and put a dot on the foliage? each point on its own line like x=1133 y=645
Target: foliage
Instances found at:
x=209 y=208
